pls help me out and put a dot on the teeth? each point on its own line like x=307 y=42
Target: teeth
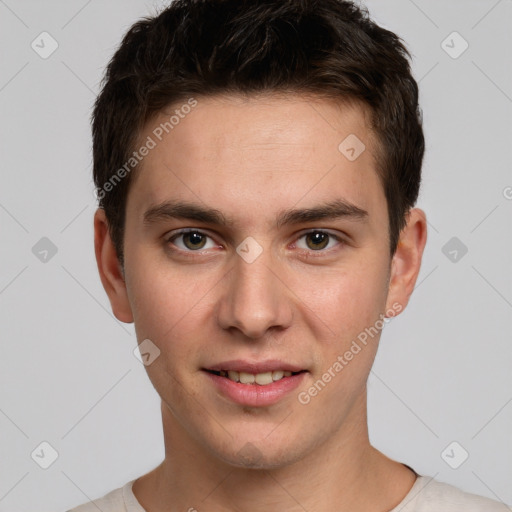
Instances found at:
x=234 y=376
x=264 y=378
x=247 y=378
x=277 y=375
x=261 y=379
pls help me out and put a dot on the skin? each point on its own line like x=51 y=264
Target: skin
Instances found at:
x=251 y=159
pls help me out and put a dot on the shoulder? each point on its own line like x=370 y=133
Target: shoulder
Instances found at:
x=429 y=495
x=114 y=501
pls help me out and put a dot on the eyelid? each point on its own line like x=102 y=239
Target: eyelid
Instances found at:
x=169 y=237
x=338 y=237
x=183 y=231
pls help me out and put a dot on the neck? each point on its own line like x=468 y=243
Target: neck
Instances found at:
x=344 y=473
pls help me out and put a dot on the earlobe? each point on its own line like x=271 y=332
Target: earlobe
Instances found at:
x=110 y=269
x=406 y=262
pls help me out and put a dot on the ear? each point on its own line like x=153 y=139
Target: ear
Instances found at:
x=406 y=262
x=110 y=270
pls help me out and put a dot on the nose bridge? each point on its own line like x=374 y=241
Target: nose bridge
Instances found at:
x=255 y=299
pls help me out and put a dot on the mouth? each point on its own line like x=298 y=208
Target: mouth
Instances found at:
x=259 y=379
x=255 y=384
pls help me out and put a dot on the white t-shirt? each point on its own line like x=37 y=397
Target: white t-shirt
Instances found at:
x=426 y=495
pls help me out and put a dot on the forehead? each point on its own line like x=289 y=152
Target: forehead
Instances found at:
x=246 y=155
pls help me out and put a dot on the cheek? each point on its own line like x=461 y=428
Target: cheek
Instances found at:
x=170 y=307
x=345 y=300
x=351 y=305
x=163 y=297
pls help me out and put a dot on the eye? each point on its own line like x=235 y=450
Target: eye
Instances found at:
x=318 y=240
x=191 y=240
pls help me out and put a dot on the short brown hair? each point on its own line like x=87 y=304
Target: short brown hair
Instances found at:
x=193 y=48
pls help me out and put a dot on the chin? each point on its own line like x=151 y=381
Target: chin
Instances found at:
x=261 y=454
x=250 y=457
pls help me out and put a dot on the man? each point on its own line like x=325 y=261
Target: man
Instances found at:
x=257 y=165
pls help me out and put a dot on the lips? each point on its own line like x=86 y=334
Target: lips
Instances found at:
x=255 y=367
x=255 y=383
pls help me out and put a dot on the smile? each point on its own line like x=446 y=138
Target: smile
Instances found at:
x=261 y=379
x=255 y=384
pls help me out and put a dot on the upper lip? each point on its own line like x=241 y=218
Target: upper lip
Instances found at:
x=270 y=365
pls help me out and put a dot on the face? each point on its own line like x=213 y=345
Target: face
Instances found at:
x=258 y=250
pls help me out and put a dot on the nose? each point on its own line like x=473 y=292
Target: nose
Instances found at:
x=255 y=298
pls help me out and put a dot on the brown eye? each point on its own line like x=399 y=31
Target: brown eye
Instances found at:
x=194 y=240
x=317 y=240
x=191 y=241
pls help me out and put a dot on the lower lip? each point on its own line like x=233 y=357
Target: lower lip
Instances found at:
x=254 y=395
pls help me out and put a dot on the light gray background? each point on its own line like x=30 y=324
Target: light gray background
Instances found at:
x=68 y=374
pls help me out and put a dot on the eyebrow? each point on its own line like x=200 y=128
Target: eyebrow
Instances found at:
x=336 y=209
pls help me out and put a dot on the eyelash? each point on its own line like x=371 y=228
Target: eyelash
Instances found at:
x=309 y=253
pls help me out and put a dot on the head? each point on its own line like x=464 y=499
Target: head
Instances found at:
x=241 y=120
